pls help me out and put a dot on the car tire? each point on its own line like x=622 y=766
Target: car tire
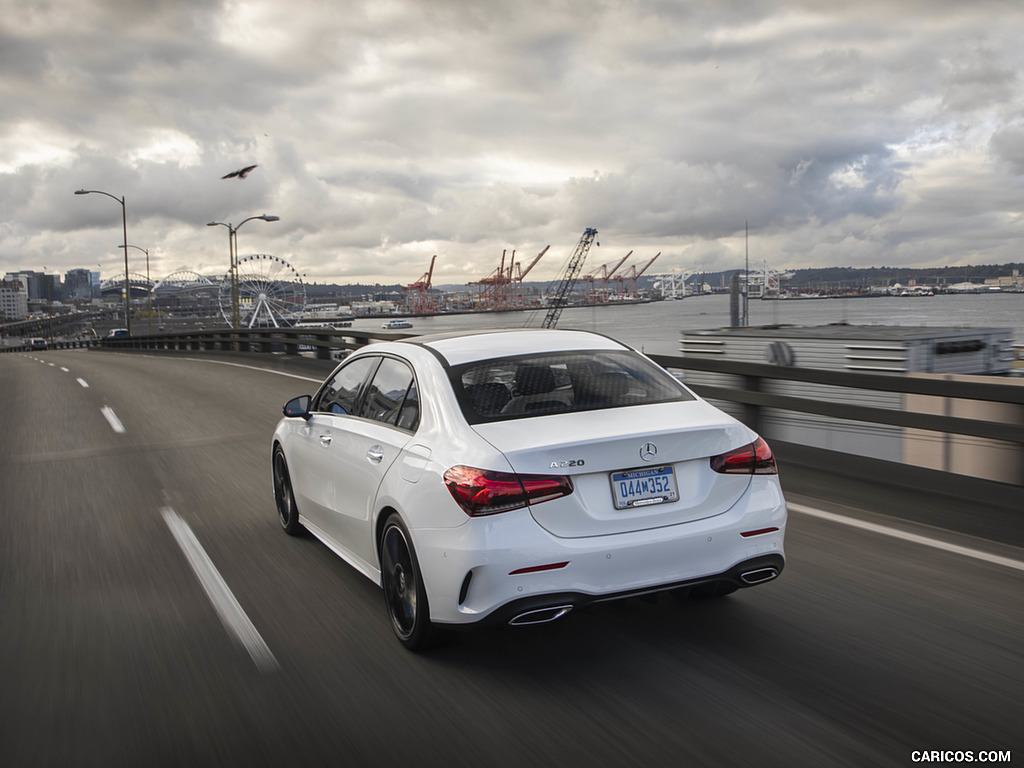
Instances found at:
x=284 y=496
x=405 y=596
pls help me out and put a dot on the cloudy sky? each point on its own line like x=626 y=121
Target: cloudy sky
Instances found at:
x=869 y=133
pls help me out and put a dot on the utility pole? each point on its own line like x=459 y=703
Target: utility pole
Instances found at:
x=746 y=282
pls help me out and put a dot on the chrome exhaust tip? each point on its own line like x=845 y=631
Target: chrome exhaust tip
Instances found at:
x=758 y=576
x=540 y=616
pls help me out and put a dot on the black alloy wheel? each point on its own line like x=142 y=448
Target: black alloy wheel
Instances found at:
x=284 y=497
x=404 y=594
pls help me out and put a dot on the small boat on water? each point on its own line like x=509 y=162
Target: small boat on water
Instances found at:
x=393 y=325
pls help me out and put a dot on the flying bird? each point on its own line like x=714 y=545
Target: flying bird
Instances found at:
x=241 y=173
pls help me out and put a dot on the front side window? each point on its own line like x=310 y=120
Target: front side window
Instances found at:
x=341 y=392
x=534 y=385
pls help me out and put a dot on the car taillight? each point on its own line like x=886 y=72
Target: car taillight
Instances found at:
x=486 y=492
x=753 y=459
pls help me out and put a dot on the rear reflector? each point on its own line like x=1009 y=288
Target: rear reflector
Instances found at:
x=759 y=532
x=753 y=459
x=486 y=492
x=538 y=568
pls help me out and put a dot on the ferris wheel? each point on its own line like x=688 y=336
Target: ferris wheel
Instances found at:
x=271 y=293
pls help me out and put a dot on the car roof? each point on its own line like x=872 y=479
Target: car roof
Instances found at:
x=468 y=346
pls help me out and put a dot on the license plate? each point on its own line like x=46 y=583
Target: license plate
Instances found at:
x=641 y=487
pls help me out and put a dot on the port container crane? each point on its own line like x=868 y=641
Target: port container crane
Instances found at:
x=601 y=274
x=421 y=293
x=631 y=276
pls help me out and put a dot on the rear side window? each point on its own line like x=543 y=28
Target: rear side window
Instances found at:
x=522 y=386
x=391 y=397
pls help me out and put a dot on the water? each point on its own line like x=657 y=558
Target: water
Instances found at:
x=656 y=328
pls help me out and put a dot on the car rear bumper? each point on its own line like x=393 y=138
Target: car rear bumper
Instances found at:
x=541 y=609
x=499 y=569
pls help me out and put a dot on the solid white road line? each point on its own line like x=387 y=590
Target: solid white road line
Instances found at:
x=977 y=554
x=256 y=368
x=111 y=417
x=224 y=602
x=250 y=367
x=83 y=382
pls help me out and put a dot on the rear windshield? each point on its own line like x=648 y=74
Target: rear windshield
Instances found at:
x=536 y=385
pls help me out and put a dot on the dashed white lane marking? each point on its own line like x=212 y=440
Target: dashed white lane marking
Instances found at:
x=83 y=382
x=853 y=522
x=111 y=417
x=224 y=603
x=65 y=369
x=52 y=365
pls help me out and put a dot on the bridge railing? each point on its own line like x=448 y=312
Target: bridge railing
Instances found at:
x=752 y=389
x=977 y=456
x=748 y=391
x=323 y=343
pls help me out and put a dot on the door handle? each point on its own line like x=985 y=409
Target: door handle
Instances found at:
x=325 y=440
x=375 y=454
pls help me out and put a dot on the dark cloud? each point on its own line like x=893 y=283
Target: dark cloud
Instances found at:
x=386 y=132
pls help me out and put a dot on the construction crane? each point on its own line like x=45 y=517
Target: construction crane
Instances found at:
x=421 y=294
x=568 y=278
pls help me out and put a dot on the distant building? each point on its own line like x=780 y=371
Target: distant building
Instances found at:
x=13 y=300
x=29 y=281
x=1012 y=282
x=80 y=284
x=40 y=286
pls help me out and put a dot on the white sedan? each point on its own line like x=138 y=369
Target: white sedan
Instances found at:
x=509 y=477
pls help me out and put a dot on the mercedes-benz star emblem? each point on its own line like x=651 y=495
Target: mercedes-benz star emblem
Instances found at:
x=648 y=451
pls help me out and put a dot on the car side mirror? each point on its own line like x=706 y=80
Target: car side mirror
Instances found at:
x=298 y=407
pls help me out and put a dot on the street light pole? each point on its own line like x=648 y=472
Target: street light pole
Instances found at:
x=233 y=254
x=149 y=286
x=124 y=224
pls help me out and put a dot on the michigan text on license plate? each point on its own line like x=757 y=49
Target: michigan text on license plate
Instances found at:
x=640 y=487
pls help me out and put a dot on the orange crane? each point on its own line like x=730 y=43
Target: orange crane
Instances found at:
x=602 y=274
x=631 y=276
x=421 y=294
x=516 y=277
x=503 y=288
x=492 y=291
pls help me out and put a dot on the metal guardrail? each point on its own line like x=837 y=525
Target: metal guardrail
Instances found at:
x=754 y=400
x=747 y=388
x=982 y=495
x=323 y=342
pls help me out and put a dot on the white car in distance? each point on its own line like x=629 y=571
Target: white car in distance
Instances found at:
x=509 y=477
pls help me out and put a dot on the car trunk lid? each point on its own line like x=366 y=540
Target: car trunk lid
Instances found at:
x=632 y=468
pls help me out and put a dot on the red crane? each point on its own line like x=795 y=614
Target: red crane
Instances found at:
x=602 y=274
x=631 y=276
x=516 y=277
x=421 y=294
x=492 y=291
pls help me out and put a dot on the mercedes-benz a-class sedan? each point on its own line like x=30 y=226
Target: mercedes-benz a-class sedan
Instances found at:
x=509 y=477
